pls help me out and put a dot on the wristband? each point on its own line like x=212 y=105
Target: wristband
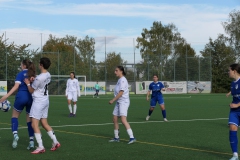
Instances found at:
x=28 y=84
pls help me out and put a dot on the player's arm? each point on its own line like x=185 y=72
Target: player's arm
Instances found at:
x=234 y=105
x=30 y=89
x=149 y=91
x=117 y=97
x=78 y=89
x=228 y=94
x=66 y=89
x=14 y=88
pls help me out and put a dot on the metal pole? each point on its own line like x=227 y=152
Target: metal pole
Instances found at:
x=105 y=62
x=90 y=67
x=148 y=64
x=199 y=69
x=58 y=72
x=186 y=64
x=210 y=70
x=134 y=71
x=161 y=58
x=74 y=61
x=41 y=45
x=6 y=52
x=174 y=68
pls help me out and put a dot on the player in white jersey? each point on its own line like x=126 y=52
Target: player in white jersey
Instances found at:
x=121 y=94
x=72 y=92
x=40 y=105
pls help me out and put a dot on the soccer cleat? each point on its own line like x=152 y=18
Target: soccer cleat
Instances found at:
x=15 y=140
x=234 y=158
x=38 y=150
x=132 y=140
x=55 y=146
x=114 y=140
x=147 y=118
x=165 y=120
x=70 y=115
x=73 y=115
x=31 y=145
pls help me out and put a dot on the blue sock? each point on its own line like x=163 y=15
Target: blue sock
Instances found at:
x=164 y=113
x=233 y=140
x=30 y=131
x=150 y=112
x=14 y=125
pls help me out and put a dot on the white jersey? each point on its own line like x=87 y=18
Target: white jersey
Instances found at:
x=122 y=85
x=40 y=86
x=73 y=86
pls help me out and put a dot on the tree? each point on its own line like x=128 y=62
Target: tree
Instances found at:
x=232 y=28
x=222 y=55
x=112 y=61
x=157 y=46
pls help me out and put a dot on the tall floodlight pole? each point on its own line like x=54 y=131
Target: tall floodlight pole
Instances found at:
x=105 y=62
x=6 y=52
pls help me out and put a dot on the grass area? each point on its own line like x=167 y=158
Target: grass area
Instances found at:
x=197 y=129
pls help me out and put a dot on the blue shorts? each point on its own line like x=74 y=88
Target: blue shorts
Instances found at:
x=23 y=99
x=234 y=117
x=154 y=101
x=97 y=90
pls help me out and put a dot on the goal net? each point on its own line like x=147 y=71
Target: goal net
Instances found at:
x=58 y=84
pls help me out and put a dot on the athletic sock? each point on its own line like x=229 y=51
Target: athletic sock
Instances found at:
x=70 y=108
x=30 y=131
x=14 y=125
x=150 y=112
x=74 y=108
x=52 y=136
x=164 y=114
x=39 y=139
x=116 y=133
x=233 y=141
x=130 y=133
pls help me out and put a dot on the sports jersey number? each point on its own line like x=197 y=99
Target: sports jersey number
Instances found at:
x=46 y=88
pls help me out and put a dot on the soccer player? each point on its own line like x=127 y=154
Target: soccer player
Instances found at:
x=40 y=105
x=156 y=87
x=72 y=92
x=121 y=94
x=22 y=99
x=97 y=87
x=234 y=115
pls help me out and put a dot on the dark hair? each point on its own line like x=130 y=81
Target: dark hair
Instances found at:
x=73 y=74
x=31 y=68
x=122 y=69
x=155 y=75
x=45 y=62
x=235 y=67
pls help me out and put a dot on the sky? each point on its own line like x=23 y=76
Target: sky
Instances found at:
x=121 y=22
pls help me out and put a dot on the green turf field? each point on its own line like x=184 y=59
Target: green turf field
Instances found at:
x=197 y=129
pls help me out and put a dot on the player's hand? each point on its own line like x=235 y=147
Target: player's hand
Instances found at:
x=147 y=99
x=228 y=94
x=233 y=105
x=32 y=79
x=111 y=102
x=3 y=99
x=27 y=81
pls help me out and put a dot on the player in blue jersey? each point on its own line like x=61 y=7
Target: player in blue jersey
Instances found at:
x=22 y=99
x=234 y=115
x=156 y=87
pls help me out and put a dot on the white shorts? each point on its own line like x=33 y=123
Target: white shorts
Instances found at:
x=72 y=96
x=121 y=109
x=39 y=109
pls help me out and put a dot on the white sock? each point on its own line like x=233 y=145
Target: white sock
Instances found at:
x=70 y=108
x=52 y=136
x=74 y=108
x=39 y=139
x=116 y=133
x=235 y=154
x=130 y=133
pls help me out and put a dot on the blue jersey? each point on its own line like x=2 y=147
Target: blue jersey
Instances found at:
x=156 y=89
x=20 y=79
x=23 y=97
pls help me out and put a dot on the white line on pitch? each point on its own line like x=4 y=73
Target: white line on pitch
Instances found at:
x=135 y=97
x=103 y=124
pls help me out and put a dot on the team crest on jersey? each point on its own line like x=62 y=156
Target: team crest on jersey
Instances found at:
x=236 y=86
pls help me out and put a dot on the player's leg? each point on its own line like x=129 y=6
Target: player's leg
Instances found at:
x=69 y=100
x=162 y=106
x=14 y=122
x=115 y=122
x=48 y=128
x=97 y=93
x=74 y=103
x=29 y=124
x=233 y=127
x=153 y=103
x=123 y=114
